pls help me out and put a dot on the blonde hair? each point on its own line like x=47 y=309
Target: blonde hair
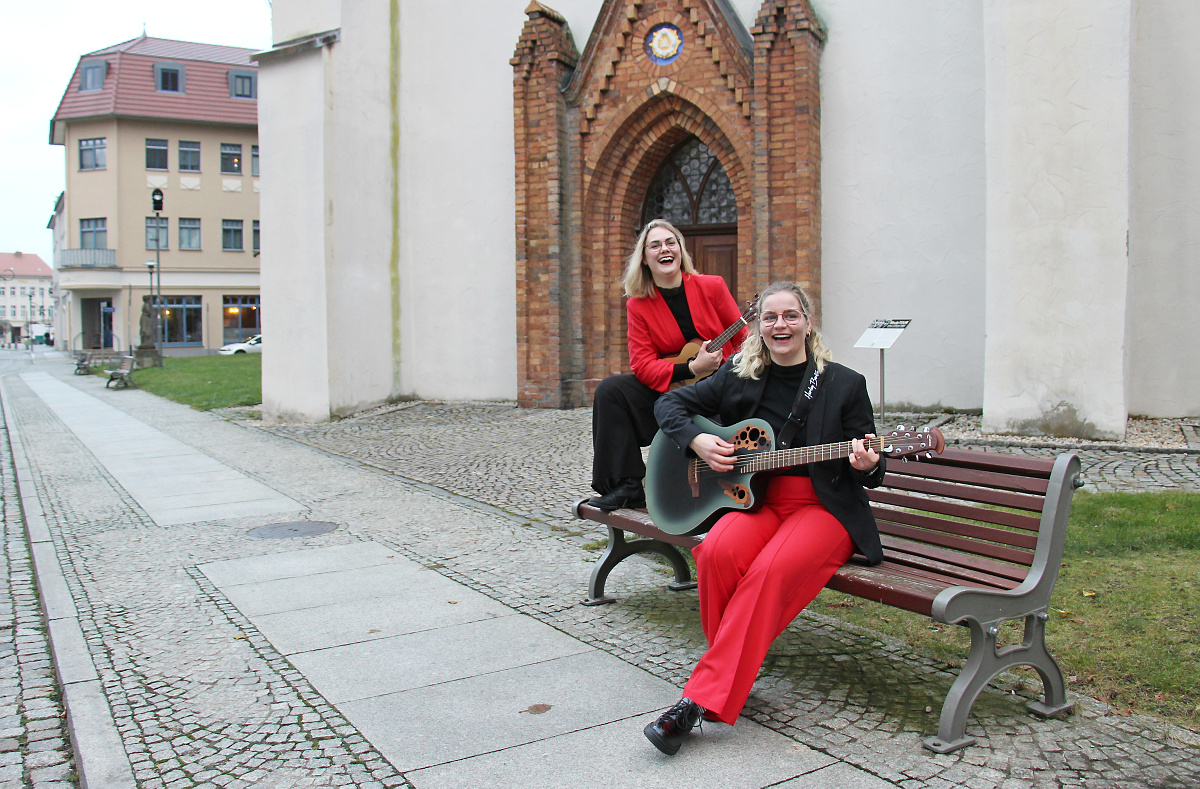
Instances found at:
x=639 y=282
x=754 y=357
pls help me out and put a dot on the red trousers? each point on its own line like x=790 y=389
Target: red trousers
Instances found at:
x=756 y=571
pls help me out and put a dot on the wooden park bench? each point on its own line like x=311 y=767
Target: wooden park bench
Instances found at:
x=83 y=363
x=969 y=537
x=123 y=375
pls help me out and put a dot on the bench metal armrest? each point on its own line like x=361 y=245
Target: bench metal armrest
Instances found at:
x=957 y=603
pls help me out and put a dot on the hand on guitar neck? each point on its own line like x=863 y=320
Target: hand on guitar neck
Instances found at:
x=704 y=358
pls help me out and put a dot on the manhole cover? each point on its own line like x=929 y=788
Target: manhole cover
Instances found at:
x=279 y=531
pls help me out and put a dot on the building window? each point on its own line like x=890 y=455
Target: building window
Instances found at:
x=254 y=160
x=169 y=77
x=254 y=237
x=189 y=157
x=156 y=154
x=231 y=235
x=93 y=234
x=91 y=153
x=189 y=233
x=3 y=310
x=241 y=316
x=23 y=290
x=182 y=320
x=162 y=223
x=231 y=159
x=243 y=84
x=93 y=75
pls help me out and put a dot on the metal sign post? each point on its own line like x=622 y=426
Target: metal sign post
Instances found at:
x=881 y=334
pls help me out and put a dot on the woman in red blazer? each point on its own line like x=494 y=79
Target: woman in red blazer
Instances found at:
x=669 y=305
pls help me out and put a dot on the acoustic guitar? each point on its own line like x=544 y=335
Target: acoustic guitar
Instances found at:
x=693 y=347
x=684 y=496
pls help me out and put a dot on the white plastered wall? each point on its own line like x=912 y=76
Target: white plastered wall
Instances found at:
x=1164 y=238
x=902 y=193
x=291 y=112
x=1058 y=215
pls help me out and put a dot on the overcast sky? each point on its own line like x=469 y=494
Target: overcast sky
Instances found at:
x=46 y=38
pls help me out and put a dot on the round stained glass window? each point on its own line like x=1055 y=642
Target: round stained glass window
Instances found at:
x=664 y=44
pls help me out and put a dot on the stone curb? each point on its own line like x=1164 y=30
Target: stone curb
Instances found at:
x=100 y=758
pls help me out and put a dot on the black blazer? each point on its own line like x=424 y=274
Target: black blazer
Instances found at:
x=840 y=412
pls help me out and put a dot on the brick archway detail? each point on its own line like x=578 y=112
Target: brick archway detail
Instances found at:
x=625 y=164
x=591 y=131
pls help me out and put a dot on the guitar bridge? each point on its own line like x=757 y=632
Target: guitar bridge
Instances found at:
x=694 y=478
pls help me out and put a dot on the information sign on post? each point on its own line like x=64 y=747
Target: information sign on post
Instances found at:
x=881 y=334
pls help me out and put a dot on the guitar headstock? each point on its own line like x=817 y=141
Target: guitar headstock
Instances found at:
x=900 y=443
x=751 y=310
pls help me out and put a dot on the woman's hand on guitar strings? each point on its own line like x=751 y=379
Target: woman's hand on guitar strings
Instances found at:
x=714 y=451
x=863 y=457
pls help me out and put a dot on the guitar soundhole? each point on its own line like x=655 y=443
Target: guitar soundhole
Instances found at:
x=750 y=437
x=739 y=493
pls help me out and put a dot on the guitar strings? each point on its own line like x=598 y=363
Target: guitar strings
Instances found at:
x=774 y=458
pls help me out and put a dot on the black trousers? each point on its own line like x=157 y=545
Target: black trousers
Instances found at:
x=622 y=423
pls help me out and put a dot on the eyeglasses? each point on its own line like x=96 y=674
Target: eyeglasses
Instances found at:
x=790 y=317
x=670 y=243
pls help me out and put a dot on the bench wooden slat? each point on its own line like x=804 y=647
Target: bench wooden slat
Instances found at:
x=952 y=490
x=961 y=544
x=970 y=476
x=887 y=586
x=973 y=531
x=895 y=545
x=974 y=458
x=926 y=561
x=1014 y=520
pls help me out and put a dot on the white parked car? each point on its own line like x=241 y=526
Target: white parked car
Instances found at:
x=252 y=345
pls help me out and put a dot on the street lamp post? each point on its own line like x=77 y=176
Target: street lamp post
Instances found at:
x=156 y=201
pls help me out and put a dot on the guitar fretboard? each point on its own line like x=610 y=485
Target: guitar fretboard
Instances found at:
x=724 y=337
x=797 y=456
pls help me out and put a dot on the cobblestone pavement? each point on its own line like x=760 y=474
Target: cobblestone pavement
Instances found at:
x=855 y=695
x=479 y=492
x=34 y=748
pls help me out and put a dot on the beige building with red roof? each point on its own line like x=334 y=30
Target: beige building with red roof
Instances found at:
x=26 y=296
x=154 y=114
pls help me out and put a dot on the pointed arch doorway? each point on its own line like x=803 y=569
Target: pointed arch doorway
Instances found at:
x=692 y=191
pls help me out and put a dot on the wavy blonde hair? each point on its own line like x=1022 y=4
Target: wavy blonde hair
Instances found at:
x=754 y=357
x=639 y=282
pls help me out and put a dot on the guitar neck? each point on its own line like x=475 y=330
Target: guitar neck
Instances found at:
x=725 y=336
x=800 y=456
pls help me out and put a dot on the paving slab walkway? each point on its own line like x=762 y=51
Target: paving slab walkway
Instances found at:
x=428 y=641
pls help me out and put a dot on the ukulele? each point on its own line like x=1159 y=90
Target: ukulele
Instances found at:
x=684 y=496
x=693 y=346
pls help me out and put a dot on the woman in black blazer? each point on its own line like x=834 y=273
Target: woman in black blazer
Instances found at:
x=758 y=570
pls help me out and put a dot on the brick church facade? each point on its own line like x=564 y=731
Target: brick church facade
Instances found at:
x=596 y=135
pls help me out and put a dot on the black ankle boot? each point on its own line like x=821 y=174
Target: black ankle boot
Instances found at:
x=672 y=726
x=628 y=494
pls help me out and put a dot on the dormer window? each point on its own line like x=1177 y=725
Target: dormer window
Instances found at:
x=169 y=77
x=243 y=84
x=92 y=77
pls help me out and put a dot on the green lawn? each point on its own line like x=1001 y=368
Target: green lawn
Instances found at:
x=1125 y=624
x=206 y=382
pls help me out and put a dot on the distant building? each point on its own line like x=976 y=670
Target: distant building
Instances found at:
x=152 y=114
x=26 y=296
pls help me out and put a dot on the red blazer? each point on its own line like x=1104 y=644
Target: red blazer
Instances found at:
x=654 y=333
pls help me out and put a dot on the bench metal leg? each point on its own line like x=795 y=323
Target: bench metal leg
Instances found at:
x=983 y=664
x=620 y=549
